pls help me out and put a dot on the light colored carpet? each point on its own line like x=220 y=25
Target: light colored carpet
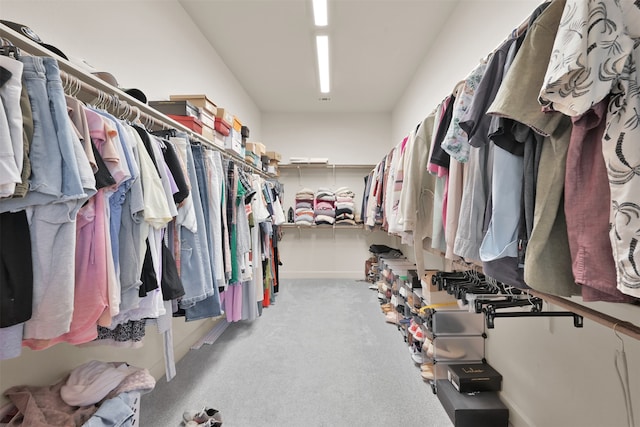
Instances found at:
x=321 y=356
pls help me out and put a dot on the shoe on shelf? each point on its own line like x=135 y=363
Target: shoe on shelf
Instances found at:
x=417 y=358
x=427 y=374
x=427 y=366
x=418 y=335
x=392 y=317
x=449 y=353
x=430 y=350
x=414 y=327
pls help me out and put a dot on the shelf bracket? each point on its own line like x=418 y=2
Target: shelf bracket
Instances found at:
x=491 y=315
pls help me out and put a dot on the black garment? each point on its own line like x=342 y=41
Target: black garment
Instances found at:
x=173 y=163
x=103 y=176
x=342 y=211
x=146 y=140
x=148 y=277
x=16 y=269
x=171 y=284
x=439 y=156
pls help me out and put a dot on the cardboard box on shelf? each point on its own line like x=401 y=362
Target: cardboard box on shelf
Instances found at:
x=200 y=101
x=222 y=126
x=208 y=132
x=233 y=144
x=188 y=121
x=225 y=115
x=274 y=155
x=257 y=147
x=219 y=139
x=177 y=108
x=207 y=118
x=237 y=124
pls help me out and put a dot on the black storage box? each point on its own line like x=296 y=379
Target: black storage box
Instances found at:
x=480 y=409
x=469 y=377
x=176 y=108
x=244 y=132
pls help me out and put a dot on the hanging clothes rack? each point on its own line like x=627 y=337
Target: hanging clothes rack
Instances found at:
x=90 y=89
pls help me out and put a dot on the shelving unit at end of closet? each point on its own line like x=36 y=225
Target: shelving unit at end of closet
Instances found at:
x=90 y=88
x=296 y=166
x=284 y=167
x=322 y=226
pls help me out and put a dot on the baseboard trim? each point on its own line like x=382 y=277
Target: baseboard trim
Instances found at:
x=211 y=337
x=356 y=275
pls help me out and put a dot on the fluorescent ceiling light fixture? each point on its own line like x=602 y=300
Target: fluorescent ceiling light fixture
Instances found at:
x=322 y=45
x=320 y=13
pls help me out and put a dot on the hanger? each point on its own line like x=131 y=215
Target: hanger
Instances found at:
x=620 y=363
x=8 y=49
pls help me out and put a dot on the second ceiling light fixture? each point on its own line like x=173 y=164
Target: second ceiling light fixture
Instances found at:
x=320 y=17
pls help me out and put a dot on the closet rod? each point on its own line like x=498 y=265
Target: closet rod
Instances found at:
x=603 y=319
x=92 y=86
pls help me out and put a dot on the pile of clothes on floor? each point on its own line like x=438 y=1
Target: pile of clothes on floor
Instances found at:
x=325 y=210
x=93 y=394
x=304 y=214
x=345 y=207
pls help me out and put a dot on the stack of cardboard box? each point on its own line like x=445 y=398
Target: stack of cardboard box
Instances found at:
x=274 y=160
x=207 y=110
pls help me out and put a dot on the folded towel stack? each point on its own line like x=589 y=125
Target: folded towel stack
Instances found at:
x=304 y=214
x=345 y=207
x=324 y=208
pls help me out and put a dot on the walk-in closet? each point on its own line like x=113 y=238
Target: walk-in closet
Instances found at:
x=336 y=213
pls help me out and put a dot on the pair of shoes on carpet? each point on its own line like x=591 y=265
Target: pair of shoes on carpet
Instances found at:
x=207 y=417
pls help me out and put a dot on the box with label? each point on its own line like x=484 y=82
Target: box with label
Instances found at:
x=177 y=108
x=200 y=101
x=232 y=144
x=482 y=409
x=256 y=147
x=225 y=115
x=470 y=377
x=219 y=139
x=188 y=121
x=207 y=119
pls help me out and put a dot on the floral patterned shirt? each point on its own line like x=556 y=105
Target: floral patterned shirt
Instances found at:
x=595 y=54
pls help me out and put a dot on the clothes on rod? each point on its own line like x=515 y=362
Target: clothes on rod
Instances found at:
x=520 y=177
x=118 y=225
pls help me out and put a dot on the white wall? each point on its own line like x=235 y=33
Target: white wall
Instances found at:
x=346 y=138
x=150 y=45
x=555 y=375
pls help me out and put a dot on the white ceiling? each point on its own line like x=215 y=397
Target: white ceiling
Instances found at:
x=269 y=45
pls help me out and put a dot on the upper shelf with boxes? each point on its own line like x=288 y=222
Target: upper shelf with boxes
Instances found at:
x=256 y=154
x=203 y=116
